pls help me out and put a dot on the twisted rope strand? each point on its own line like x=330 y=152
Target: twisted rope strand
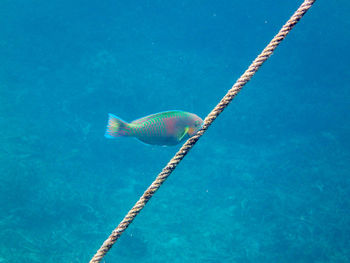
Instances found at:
x=167 y=170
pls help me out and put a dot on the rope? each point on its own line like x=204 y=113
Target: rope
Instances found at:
x=167 y=170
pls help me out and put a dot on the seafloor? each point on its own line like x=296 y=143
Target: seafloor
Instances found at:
x=268 y=182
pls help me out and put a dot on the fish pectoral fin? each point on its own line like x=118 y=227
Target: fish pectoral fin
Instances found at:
x=182 y=135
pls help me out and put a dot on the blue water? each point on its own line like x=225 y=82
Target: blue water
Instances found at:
x=268 y=182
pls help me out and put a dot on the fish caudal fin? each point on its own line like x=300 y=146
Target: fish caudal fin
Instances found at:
x=116 y=127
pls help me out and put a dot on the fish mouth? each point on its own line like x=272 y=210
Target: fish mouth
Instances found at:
x=191 y=131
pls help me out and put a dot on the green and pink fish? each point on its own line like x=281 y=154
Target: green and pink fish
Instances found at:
x=164 y=128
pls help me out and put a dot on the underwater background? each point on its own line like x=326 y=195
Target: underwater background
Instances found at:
x=268 y=182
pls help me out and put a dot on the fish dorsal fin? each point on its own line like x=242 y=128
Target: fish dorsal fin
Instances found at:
x=143 y=119
x=184 y=132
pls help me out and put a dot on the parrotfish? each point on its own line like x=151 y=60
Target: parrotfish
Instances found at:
x=163 y=128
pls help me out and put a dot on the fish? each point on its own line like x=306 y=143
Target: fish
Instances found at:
x=165 y=128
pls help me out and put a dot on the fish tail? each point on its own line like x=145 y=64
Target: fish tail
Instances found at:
x=116 y=127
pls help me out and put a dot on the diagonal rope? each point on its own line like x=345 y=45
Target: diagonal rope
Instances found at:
x=167 y=170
